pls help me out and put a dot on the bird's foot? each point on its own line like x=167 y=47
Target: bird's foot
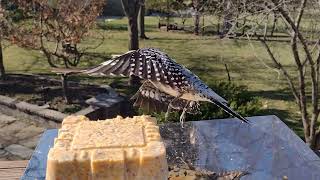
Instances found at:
x=166 y=117
x=182 y=118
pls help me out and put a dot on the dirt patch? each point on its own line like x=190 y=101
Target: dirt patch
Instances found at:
x=44 y=91
x=188 y=172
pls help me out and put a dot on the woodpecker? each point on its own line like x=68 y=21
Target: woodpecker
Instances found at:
x=165 y=82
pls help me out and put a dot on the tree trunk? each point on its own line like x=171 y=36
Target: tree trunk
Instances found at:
x=227 y=18
x=317 y=141
x=244 y=26
x=275 y=19
x=133 y=45
x=141 y=22
x=133 y=33
x=131 y=9
x=218 y=25
x=196 y=22
x=168 y=15
x=203 y=25
x=2 y=70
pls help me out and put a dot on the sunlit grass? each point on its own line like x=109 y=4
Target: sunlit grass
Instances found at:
x=205 y=55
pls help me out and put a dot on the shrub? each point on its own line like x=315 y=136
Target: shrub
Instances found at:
x=17 y=15
x=239 y=99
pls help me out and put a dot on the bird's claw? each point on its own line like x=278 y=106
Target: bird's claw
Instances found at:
x=183 y=117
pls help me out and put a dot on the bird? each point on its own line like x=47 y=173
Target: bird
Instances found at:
x=165 y=83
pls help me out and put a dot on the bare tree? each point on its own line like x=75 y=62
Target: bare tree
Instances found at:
x=180 y=7
x=227 y=17
x=304 y=47
x=309 y=119
x=204 y=7
x=196 y=4
x=200 y=7
x=56 y=28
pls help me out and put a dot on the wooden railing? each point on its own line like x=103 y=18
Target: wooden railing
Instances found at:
x=12 y=169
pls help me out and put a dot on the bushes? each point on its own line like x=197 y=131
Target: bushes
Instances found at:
x=239 y=99
x=17 y=15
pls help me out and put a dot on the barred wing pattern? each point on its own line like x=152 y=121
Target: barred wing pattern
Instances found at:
x=149 y=98
x=147 y=63
x=155 y=66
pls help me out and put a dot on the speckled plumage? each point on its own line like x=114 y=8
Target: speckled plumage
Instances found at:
x=165 y=81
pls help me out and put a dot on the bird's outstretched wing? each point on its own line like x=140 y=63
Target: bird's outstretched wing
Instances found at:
x=152 y=99
x=147 y=63
x=156 y=66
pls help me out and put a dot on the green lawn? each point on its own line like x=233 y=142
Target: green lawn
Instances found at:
x=204 y=55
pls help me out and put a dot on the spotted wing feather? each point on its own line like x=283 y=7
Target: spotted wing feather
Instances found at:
x=148 y=63
x=150 y=98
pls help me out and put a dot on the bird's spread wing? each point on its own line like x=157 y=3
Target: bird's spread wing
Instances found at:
x=147 y=63
x=153 y=65
x=152 y=99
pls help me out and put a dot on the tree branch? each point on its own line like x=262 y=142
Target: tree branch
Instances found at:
x=283 y=70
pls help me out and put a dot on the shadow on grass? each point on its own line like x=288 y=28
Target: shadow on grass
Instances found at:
x=280 y=94
x=93 y=59
x=122 y=27
x=37 y=61
x=201 y=65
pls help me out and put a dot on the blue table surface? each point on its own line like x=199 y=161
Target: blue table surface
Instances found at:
x=267 y=149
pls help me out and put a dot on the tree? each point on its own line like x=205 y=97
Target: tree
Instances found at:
x=131 y=9
x=2 y=70
x=196 y=4
x=180 y=7
x=227 y=17
x=56 y=28
x=309 y=119
x=167 y=7
x=141 y=20
x=4 y=30
x=200 y=7
x=304 y=47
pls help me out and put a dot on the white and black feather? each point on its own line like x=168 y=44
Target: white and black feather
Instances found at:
x=146 y=63
x=164 y=73
x=149 y=98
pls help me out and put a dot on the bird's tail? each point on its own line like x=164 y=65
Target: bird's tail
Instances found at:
x=230 y=111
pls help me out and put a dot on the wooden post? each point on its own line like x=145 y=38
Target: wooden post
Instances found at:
x=218 y=25
x=65 y=88
x=203 y=24
x=229 y=78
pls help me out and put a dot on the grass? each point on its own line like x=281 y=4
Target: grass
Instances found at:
x=204 y=55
